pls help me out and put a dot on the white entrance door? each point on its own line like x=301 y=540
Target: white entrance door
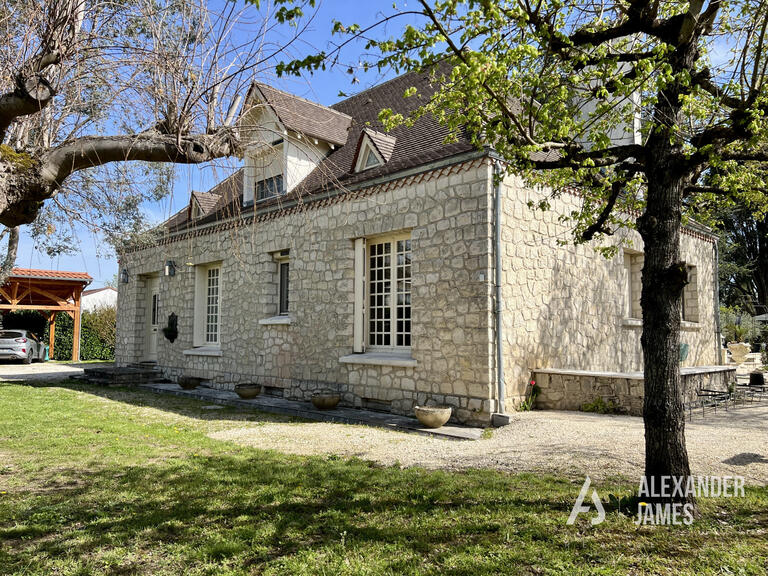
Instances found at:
x=153 y=317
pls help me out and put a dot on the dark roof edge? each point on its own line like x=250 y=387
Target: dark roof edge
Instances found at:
x=308 y=101
x=289 y=203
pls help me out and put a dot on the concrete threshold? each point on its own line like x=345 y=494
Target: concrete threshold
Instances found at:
x=307 y=411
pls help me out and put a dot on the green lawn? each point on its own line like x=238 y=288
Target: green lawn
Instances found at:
x=116 y=481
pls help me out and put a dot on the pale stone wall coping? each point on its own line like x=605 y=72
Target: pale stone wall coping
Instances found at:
x=631 y=375
x=275 y=320
x=203 y=351
x=379 y=359
x=638 y=323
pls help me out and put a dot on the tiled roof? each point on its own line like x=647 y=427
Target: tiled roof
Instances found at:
x=306 y=117
x=408 y=147
x=49 y=274
x=206 y=200
x=384 y=143
x=227 y=195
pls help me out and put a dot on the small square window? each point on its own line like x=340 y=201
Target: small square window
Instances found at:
x=269 y=187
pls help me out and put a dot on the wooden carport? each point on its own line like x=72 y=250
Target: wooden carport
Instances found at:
x=50 y=292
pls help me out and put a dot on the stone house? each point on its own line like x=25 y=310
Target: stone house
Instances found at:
x=342 y=257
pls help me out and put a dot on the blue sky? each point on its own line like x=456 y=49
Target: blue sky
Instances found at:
x=93 y=256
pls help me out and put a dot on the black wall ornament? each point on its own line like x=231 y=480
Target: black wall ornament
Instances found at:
x=171 y=332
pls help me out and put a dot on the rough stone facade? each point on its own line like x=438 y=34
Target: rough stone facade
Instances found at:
x=447 y=214
x=569 y=390
x=564 y=305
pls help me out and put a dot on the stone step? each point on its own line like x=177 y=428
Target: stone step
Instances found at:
x=123 y=376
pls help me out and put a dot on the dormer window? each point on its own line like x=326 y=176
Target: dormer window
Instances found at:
x=269 y=187
x=371 y=161
x=374 y=149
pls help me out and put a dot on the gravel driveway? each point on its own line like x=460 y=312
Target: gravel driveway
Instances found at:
x=568 y=443
x=16 y=372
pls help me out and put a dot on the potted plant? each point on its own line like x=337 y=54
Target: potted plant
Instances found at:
x=737 y=347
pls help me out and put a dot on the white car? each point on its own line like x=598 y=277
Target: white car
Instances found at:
x=21 y=345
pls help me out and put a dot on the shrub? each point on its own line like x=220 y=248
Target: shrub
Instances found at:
x=97 y=335
x=600 y=406
x=98 y=328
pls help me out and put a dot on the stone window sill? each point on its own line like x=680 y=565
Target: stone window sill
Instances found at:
x=690 y=326
x=632 y=322
x=203 y=351
x=380 y=359
x=276 y=320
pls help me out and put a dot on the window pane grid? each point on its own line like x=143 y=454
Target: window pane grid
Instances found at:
x=269 y=187
x=389 y=293
x=212 y=307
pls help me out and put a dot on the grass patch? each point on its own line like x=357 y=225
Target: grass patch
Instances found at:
x=118 y=481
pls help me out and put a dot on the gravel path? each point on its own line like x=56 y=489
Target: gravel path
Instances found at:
x=568 y=443
x=37 y=371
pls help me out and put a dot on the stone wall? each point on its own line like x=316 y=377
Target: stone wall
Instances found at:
x=569 y=390
x=565 y=305
x=447 y=213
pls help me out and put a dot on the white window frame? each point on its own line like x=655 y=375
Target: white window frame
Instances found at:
x=283 y=258
x=366 y=148
x=201 y=319
x=632 y=285
x=391 y=239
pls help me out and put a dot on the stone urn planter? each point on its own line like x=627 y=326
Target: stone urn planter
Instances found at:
x=189 y=382
x=432 y=416
x=739 y=351
x=248 y=391
x=325 y=400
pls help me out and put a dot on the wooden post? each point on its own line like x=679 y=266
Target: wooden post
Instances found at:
x=51 y=334
x=76 y=328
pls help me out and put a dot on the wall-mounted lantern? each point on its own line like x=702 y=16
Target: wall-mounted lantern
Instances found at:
x=124 y=276
x=170 y=268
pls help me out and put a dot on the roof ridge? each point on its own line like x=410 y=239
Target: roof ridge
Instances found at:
x=301 y=98
x=377 y=86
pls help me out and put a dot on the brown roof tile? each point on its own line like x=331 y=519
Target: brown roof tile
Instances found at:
x=305 y=117
x=426 y=141
x=49 y=274
x=384 y=143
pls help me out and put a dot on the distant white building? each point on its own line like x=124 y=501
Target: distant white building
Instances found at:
x=99 y=298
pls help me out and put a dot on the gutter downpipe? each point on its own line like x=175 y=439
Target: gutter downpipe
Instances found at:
x=718 y=328
x=502 y=392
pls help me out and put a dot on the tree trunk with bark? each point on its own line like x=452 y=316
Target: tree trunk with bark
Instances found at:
x=664 y=277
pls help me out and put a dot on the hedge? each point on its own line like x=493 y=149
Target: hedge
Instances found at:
x=97 y=335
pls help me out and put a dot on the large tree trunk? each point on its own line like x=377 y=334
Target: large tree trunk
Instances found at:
x=664 y=277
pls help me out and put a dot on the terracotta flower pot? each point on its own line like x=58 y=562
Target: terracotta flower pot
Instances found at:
x=248 y=391
x=189 y=382
x=432 y=416
x=323 y=401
